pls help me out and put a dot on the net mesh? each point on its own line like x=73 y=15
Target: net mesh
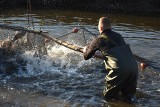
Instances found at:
x=23 y=40
x=20 y=41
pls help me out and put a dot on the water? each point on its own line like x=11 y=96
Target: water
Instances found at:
x=63 y=78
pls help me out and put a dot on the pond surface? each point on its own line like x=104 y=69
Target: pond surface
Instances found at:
x=62 y=78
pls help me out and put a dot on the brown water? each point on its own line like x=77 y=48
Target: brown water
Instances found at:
x=63 y=78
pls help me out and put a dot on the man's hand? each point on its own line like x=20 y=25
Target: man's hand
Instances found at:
x=84 y=49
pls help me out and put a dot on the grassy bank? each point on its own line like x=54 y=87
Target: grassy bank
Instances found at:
x=121 y=6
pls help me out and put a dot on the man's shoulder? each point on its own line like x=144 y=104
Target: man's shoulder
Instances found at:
x=115 y=32
x=102 y=37
x=97 y=40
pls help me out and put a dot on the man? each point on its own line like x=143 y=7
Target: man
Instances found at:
x=121 y=67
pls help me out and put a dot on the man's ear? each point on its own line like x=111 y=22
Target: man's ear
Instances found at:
x=101 y=28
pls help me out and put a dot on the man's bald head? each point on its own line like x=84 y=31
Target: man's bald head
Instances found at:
x=104 y=23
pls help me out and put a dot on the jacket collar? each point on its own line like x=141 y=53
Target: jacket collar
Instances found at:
x=106 y=30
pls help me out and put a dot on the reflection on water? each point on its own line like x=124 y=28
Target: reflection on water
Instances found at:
x=63 y=78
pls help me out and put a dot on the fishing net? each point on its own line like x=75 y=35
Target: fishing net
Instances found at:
x=22 y=41
x=80 y=38
x=25 y=39
x=16 y=41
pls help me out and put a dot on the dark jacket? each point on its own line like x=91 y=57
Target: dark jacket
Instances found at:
x=102 y=44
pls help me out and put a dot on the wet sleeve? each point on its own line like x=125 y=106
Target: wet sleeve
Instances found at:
x=91 y=48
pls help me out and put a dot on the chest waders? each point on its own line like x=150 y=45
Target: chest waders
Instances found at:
x=122 y=70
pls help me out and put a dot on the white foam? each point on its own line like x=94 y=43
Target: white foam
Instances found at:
x=59 y=59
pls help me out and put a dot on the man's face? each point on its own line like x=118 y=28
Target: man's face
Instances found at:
x=99 y=26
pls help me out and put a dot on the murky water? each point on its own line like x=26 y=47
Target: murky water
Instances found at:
x=63 y=78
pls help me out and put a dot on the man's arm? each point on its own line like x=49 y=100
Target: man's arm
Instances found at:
x=91 y=49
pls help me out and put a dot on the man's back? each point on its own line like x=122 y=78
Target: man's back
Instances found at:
x=111 y=39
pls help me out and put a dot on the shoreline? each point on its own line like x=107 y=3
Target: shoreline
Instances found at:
x=143 y=7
